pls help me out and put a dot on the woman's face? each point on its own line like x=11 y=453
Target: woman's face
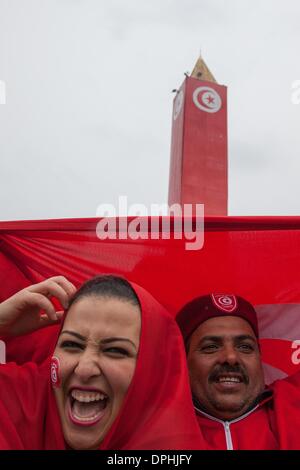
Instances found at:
x=97 y=352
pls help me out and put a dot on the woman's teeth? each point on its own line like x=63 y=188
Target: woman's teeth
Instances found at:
x=87 y=396
x=87 y=407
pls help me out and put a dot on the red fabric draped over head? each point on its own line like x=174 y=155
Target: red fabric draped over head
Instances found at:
x=157 y=412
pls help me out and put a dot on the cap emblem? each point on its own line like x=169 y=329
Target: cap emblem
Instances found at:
x=226 y=303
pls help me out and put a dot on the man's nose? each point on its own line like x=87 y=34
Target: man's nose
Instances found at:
x=230 y=355
x=88 y=366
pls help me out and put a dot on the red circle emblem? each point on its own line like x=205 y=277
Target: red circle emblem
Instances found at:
x=225 y=302
x=54 y=371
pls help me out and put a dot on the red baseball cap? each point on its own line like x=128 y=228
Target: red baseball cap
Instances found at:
x=205 y=307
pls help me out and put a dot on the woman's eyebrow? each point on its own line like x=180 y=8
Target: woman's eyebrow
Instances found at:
x=73 y=333
x=115 y=338
x=103 y=341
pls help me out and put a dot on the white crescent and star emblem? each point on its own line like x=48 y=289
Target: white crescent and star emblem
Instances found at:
x=225 y=302
x=207 y=99
x=54 y=372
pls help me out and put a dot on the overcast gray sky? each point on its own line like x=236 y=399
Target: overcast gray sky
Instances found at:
x=88 y=100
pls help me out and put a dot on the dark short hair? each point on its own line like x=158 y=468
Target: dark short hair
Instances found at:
x=107 y=286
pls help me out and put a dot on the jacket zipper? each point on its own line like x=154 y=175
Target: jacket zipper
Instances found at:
x=226 y=424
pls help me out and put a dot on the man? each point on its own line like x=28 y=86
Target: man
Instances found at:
x=234 y=408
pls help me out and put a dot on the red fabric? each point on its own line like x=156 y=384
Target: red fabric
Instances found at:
x=157 y=412
x=273 y=425
x=28 y=416
x=255 y=257
x=287 y=411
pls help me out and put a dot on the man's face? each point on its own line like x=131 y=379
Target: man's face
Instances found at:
x=225 y=367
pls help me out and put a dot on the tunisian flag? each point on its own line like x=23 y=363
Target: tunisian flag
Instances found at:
x=255 y=257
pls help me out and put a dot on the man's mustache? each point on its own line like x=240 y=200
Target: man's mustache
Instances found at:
x=227 y=369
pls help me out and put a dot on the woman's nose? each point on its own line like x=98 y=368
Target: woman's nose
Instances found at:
x=87 y=367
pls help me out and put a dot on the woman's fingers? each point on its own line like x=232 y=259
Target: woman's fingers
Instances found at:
x=44 y=320
x=21 y=313
x=65 y=284
x=60 y=315
x=58 y=287
x=37 y=300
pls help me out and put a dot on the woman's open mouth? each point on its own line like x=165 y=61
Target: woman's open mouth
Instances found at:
x=86 y=407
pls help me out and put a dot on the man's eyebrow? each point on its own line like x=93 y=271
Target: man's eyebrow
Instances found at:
x=235 y=338
x=210 y=338
x=103 y=341
x=245 y=337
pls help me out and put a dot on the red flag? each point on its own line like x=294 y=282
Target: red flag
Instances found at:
x=255 y=257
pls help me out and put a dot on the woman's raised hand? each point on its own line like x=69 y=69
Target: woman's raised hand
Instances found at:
x=21 y=313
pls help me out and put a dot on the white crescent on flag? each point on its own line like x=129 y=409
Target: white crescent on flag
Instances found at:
x=207 y=99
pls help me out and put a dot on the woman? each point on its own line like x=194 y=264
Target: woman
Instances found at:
x=118 y=372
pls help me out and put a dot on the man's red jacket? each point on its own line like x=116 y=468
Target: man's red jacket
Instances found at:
x=273 y=423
